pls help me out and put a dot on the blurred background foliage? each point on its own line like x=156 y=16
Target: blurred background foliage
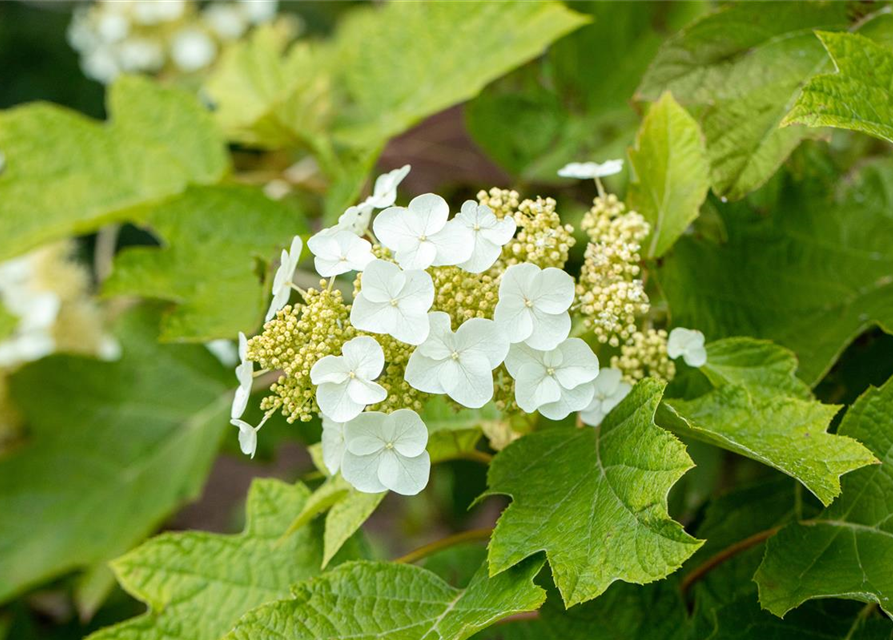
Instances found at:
x=583 y=99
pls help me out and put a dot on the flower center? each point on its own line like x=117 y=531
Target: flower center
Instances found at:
x=454 y=355
x=351 y=375
x=477 y=227
x=393 y=302
x=388 y=445
x=528 y=303
x=551 y=371
x=422 y=238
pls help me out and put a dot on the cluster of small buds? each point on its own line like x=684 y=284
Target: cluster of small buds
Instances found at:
x=541 y=239
x=465 y=295
x=504 y=391
x=503 y=202
x=645 y=354
x=293 y=341
x=153 y=36
x=400 y=394
x=610 y=291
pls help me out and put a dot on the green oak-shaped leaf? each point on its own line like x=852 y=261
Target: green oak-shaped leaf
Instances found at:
x=812 y=275
x=407 y=60
x=760 y=412
x=858 y=97
x=846 y=550
x=268 y=97
x=394 y=601
x=738 y=70
x=197 y=584
x=207 y=266
x=595 y=500
x=671 y=173
x=114 y=451
x=66 y=174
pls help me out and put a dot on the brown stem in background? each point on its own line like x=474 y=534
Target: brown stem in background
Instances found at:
x=473 y=535
x=727 y=553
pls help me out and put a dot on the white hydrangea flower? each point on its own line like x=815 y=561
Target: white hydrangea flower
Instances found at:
x=245 y=376
x=112 y=27
x=248 y=434
x=489 y=232
x=339 y=252
x=149 y=12
x=259 y=11
x=591 y=170
x=355 y=219
x=345 y=383
x=384 y=193
x=458 y=364
x=386 y=452
x=226 y=20
x=100 y=65
x=608 y=390
x=26 y=346
x=332 y=444
x=421 y=235
x=140 y=54
x=282 y=281
x=533 y=305
x=192 y=49
x=689 y=344
x=394 y=302
x=555 y=382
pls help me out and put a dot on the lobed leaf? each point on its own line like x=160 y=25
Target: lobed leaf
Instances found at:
x=594 y=500
x=395 y=601
x=845 y=550
x=102 y=172
x=213 y=238
x=197 y=585
x=858 y=96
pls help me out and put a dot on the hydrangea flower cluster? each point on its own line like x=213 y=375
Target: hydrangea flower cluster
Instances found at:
x=152 y=36
x=474 y=305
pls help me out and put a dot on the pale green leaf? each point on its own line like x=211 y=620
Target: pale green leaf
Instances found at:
x=738 y=70
x=267 y=97
x=213 y=239
x=366 y=600
x=753 y=413
x=344 y=519
x=811 y=276
x=404 y=61
x=595 y=500
x=8 y=322
x=117 y=449
x=858 y=97
x=845 y=550
x=197 y=585
x=66 y=174
x=451 y=433
x=671 y=181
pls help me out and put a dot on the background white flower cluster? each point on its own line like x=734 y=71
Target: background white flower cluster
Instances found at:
x=148 y=36
x=554 y=373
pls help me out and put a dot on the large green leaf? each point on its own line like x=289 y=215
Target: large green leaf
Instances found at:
x=595 y=500
x=268 y=97
x=844 y=551
x=751 y=413
x=116 y=448
x=671 y=180
x=197 y=585
x=859 y=96
x=738 y=70
x=66 y=174
x=811 y=276
x=407 y=60
x=394 y=601
x=212 y=239
x=575 y=105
